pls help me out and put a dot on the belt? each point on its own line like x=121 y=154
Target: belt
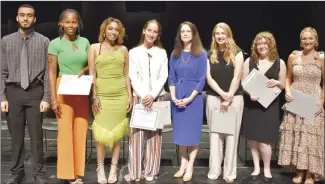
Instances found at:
x=17 y=84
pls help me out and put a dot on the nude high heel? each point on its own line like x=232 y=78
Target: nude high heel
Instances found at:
x=101 y=178
x=113 y=170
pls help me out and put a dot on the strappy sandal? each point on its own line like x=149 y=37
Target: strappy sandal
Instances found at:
x=77 y=181
x=101 y=178
x=113 y=168
x=309 y=181
x=298 y=179
x=309 y=178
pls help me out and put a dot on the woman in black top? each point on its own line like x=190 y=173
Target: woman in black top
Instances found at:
x=224 y=90
x=261 y=125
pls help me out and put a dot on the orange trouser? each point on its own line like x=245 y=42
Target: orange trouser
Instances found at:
x=72 y=135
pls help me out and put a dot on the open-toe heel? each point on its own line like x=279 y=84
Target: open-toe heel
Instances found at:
x=298 y=178
x=101 y=178
x=112 y=178
x=77 y=181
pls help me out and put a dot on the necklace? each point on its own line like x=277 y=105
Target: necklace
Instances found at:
x=187 y=59
x=111 y=57
x=110 y=49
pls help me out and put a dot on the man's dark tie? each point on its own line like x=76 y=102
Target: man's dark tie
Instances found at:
x=24 y=80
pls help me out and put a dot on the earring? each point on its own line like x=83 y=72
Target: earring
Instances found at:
x=61 y=31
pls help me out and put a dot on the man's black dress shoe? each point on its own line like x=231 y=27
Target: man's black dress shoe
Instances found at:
x=39 y=179
x=15 y=179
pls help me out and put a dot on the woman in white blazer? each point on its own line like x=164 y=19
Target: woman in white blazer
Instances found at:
x=148 y=72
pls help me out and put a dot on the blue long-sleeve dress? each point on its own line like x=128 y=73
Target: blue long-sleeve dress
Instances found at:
x=186 y=75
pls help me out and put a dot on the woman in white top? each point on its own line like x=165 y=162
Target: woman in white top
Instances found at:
x=148 y=73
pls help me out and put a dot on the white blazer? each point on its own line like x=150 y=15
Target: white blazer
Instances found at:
x=143 y=61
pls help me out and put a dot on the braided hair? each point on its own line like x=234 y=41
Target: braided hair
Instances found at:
x=80 y=24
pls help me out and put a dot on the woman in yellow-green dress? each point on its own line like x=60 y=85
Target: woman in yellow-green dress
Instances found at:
x=111 y=94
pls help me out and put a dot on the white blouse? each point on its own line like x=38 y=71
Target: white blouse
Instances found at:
x=148 y=71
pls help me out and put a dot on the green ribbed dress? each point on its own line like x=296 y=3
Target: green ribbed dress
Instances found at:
x=111 y=124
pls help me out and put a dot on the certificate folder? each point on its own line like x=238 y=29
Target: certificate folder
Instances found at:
x=223 y=122
x=302 y=105
x=164 y=113
x=145 y=120
x=255 y=85
x=72 y=85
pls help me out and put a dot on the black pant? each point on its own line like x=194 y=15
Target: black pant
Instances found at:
x=25 y=106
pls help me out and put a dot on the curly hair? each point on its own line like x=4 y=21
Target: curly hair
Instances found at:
x=157 y=42
x=271 y=43
x=102 y=30
x=312 y=31
x=67 y=11
x=196 y=46
x=231 y=47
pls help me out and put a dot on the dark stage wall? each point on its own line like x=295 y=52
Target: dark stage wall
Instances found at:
x=284 y=19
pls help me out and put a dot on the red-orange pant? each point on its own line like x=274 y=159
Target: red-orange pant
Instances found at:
x=72 y=135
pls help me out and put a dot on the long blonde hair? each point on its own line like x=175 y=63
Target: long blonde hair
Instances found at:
x=271 y=43
x=231 y=47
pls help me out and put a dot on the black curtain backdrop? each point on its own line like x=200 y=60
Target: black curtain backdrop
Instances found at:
x=284 y=19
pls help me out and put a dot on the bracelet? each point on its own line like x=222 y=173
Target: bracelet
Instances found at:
x=94 y=98
x=55 y=102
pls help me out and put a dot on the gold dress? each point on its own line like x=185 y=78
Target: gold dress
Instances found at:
x=111 y=124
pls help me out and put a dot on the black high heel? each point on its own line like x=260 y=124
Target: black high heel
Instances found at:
x=267 y=179
x=255 y=177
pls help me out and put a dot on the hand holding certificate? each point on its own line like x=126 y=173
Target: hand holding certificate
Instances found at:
x=302 y=105
x=144 y=119
x=255 y=85
x=224 y=122
x=157 y=118
x=72 y=85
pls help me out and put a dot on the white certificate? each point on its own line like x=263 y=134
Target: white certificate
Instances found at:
x=302 y=105
x=255 y=85
x=224 y=123
x=143 y=119
x=72 y=85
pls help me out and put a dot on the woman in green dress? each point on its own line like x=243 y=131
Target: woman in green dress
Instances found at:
x=108 y=63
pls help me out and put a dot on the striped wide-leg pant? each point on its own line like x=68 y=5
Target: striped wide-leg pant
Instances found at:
x=151 y=160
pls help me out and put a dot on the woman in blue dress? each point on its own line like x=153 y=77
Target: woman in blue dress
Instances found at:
x=186 y=80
